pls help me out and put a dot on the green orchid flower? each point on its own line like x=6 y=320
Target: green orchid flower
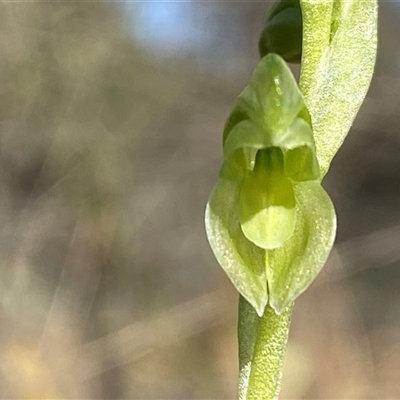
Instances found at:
x=269 y=222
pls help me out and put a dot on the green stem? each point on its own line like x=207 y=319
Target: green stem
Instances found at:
x=262 y=344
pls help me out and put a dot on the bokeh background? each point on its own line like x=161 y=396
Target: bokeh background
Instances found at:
x=111 y=116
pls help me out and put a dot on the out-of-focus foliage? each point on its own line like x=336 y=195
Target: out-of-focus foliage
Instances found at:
x=107 y=155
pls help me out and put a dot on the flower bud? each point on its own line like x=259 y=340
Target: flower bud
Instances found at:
x=282 y=33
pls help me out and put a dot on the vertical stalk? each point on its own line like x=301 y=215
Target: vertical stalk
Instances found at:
x=262 y=344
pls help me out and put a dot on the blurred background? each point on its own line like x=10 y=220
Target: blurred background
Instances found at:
x=111 y=115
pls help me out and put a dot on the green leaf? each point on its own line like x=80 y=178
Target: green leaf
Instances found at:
x=292 y=267
x=243 y=262
x=339 y=51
